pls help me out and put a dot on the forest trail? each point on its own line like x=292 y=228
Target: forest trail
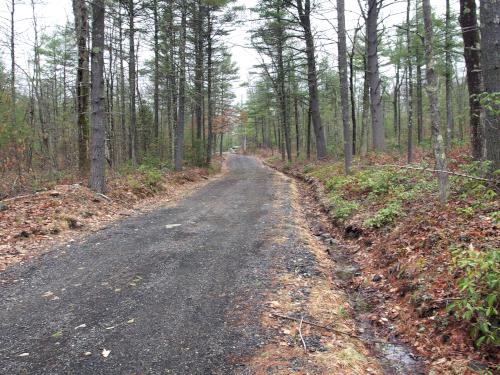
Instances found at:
x=160 y=292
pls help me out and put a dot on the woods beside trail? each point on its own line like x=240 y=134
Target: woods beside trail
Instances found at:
x=391 y=109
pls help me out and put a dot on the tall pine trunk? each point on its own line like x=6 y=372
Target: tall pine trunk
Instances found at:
x=376 y=105
x=472 y=54
x=490 y=62
x=344 y=85
x=312 y=78
x=82 y=83
x=179 y=129
x=432 y=91
x=97 y=169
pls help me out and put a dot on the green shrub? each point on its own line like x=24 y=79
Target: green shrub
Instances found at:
x=480 y=287
x=342 y=209
x=384 y=216
x=152 y=176
x=378 y=181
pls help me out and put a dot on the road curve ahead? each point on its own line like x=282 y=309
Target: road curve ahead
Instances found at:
x=173 y=291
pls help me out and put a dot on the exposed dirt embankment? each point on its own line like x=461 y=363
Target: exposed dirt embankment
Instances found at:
x=395 y=250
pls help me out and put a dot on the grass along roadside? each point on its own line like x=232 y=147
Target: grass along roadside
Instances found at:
x=58 y=213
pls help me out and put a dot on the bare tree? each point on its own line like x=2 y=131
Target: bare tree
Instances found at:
x=97 y=168
x=344 y=84
x=431 y=87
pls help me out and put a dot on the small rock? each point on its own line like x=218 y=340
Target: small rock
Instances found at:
x=54 y=194
x=22 y=234
x=3 y=207
x=24 y=354
x=326 y=236
x=352 y=232
x=376 y=278
x=72 y=223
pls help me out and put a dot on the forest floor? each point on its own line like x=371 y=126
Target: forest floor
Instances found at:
x=405 y=253
x=64 y=211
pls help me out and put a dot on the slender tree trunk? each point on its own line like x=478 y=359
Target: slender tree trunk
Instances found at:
x=97 y=170
x=312 y=79
x=352 y=93
x=123 y=124
x=490 y=62
x=179 y=130
x=296 y=112
x=156 y=84
x=376 y=104
x=395 y=106
x=13 y=65
x=82 y=83
x=210 y=103
x=448 y=78
x=309 y=120
x=344 y=85
x=198 y=80
x=366 y=110
x=409 y=86
x=432 y=91
x=132 y=85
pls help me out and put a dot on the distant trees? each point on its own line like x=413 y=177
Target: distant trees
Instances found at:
x=167 y=106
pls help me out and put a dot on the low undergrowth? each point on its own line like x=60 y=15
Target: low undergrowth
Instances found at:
x=438 y=263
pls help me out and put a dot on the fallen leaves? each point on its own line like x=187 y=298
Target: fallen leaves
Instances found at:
x=31 y=223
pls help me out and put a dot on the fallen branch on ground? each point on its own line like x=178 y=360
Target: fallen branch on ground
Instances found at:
x=300 y=334
x=330 y=329
x=439 y=171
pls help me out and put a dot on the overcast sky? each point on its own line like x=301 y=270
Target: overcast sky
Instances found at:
x=53 y=13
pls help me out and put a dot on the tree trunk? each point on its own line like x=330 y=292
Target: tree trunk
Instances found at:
x=97 y=170
x=179 y=129
x=82 y=83
x=312 y=79
x=13 y=66
x=409 y=87
x=366 y=107
x=448 y=78
x=132 y=85
x=156 y=84
x=432 y=92
x=352 y=93
x=378 y=131
x=344 y=85
x=490 y=62
x=472 y=54
x=210 y=103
